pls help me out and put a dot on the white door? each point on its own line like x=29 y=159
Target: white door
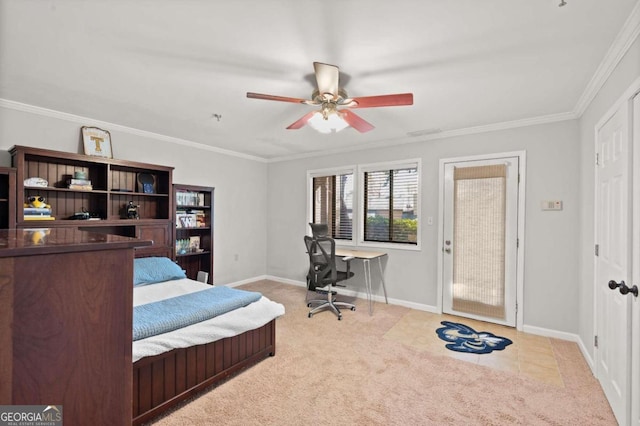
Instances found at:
x=613 y=267
x=479 y=239
x=635 y=302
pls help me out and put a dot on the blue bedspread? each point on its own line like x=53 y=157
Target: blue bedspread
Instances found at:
x=178 y=312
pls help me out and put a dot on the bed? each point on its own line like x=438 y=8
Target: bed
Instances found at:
x=173 y=365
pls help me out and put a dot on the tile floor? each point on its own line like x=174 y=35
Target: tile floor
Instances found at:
x=530 y=355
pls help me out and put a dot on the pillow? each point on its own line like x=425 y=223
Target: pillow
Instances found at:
x=149 y=270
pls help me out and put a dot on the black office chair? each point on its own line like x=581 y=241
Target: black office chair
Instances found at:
x=324 y=275
x=319 y=230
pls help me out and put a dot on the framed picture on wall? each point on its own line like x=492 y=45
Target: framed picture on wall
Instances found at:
x=96 y=142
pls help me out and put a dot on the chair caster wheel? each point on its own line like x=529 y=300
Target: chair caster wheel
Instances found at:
x=353 y=309
x=308 y=305
x=309 y=315
x=340 y=318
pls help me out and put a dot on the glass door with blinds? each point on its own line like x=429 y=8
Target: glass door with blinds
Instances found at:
x=480 y=239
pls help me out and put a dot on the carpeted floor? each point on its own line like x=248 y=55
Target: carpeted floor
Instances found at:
x=358 y=372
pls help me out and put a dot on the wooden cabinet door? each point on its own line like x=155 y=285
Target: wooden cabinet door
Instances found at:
x=162 y=240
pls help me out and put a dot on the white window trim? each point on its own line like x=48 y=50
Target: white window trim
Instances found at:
x=331 y=172
x=417 y=162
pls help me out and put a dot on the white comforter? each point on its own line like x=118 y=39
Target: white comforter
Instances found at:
x=230 y=324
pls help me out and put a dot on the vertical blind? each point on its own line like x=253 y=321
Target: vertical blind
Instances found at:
x=391 y=205
x=479 y=240
x=333 y=204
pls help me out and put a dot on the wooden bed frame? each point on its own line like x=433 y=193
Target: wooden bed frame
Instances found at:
x=162 y=381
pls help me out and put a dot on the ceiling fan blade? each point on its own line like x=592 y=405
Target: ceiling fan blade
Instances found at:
x=302 y=121
x=356 y=121
x=381 y=101
x=276 y=98
x=327 y=77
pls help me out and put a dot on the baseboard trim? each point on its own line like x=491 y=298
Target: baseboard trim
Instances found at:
x=587 y=356
x=563 y=335
x=362 y=295
x=540 y=331
x=246 y=281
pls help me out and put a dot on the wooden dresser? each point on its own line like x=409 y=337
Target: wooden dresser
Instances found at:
x=66 y=300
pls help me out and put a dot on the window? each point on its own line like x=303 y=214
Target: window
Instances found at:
x=332 y=203
x=380 y=204
x=390 y=203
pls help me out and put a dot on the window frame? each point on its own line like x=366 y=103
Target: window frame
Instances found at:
x=358 y=214
x=334 y=171
x=385 y=166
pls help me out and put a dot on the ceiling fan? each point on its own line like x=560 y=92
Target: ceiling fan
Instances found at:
x=334 y=102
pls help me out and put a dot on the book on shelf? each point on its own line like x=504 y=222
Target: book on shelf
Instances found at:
x=201 y=219
x=185 y=220
x=37 y=211
x=179 y=214
x=78 y=181
x=39 y=218
x=81 y=187
x=189 y=198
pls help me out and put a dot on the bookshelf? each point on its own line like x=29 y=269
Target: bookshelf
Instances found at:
x=7 y=197
x=100 y=205
x=194 y=229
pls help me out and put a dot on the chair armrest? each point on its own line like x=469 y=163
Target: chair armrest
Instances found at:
x=348 y=260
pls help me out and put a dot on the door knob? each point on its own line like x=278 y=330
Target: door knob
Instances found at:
x=447 y=250
x=613 y=285
x=624 y=288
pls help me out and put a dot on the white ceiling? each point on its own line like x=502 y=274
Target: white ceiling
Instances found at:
x=167 y=67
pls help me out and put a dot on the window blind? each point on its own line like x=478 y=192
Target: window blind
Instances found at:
x=479 y=240
x=391 y=204
x=333 y=204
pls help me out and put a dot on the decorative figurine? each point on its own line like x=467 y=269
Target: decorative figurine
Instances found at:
x=132 y=211
x=37 y=201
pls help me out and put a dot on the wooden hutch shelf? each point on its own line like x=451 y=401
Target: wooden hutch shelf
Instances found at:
x=114 y=183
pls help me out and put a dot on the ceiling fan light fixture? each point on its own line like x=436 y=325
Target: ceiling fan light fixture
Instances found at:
x=330 y=96
x=333 y=122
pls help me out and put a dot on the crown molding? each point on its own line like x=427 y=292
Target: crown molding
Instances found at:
x=534 y=121
x=84 y=121
x=525 y=122
x=376 y=144
x=623 y=41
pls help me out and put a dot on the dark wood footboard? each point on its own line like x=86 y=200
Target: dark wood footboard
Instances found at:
x=162 y=381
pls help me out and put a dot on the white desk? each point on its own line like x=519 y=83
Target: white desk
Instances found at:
x=366 y=257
